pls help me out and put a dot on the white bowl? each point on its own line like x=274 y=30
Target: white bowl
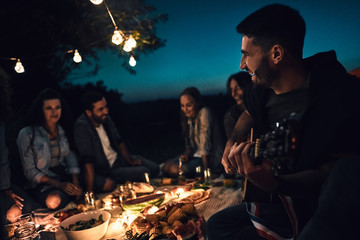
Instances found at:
x=94 y=233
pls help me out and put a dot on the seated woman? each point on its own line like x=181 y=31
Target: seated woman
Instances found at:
x=235 y=87
x=204 y=140
x=48 y=163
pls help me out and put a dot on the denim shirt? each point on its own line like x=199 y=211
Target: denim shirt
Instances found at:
x=4 y=161
x=36 y=158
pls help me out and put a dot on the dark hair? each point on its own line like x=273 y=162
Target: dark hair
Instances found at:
x=275 y=24
x=36 y=110
x=242 y=78
x=36 y=114
x=198 y=101
x=89 y=98
x=5 y=94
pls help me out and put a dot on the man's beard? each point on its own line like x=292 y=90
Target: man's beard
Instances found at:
x=264 y=74
x=99 y=119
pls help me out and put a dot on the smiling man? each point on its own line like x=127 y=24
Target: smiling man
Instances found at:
x=103 y=153
x=312 y=199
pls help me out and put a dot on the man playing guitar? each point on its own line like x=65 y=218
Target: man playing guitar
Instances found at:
x=325 y=97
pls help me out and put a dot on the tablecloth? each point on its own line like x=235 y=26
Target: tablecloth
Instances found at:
x=220 y=198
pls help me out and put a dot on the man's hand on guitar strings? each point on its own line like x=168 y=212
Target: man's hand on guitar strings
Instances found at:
x=225 y=161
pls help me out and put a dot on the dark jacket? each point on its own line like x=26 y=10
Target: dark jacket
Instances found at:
x=89 y=147
x=329 y=126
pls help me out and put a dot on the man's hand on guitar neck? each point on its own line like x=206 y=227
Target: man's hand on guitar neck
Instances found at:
x=261 y=175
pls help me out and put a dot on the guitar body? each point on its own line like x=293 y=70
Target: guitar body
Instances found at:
x=251 y=193
x=280 y=145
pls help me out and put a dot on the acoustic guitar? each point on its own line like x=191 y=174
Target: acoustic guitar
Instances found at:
x=280 y=145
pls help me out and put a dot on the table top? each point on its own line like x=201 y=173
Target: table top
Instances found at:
x=220 y=198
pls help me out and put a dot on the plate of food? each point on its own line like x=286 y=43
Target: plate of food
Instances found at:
x=196 y=196
x=142 y=188
x=171 y=221
x=90 y=225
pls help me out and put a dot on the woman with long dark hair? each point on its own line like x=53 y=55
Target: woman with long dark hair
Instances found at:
x=235 y=85
x=204 y=141
x=48 y=163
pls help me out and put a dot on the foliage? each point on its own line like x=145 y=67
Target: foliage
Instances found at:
x=41 y=32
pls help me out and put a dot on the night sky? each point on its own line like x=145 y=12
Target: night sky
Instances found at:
x=203 y=47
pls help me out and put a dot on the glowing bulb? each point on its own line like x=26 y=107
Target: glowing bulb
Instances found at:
x=96 y=2
x=131 y=41
x=127 y=47
x=117 y=38
x=129 y=44
x=132 y=61
x=19 y=68
x=77 y=58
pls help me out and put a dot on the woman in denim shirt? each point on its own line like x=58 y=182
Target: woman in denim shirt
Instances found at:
x=204 y=140
x=48 y=163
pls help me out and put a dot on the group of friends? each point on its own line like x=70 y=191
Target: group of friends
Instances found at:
x=60 y=168
x=317 y=199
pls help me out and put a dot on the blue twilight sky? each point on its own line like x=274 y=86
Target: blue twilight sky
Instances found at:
x=203 y=47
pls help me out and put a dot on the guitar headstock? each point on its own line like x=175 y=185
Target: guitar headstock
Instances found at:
x=280 y=145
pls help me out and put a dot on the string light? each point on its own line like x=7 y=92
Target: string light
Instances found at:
x=19 y=68
x=117 y=38
x=131 y=41
x=77 y=58
x=96 y=2
x=129 y=44
x=132 y=61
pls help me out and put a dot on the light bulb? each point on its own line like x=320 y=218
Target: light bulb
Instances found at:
x=77 y=58
x=117 y=38
x=19 y=68
x=131 y=41
x=132 y=61
x=127 y=47
x=96 y=2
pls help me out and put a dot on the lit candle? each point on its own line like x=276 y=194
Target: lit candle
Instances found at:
x=178 y=192
x=147 y=179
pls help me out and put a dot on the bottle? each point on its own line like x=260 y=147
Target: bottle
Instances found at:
x=207 y=177
x=181 y=177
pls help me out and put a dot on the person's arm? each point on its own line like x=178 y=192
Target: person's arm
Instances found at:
x=86 y=151
x=28 y=157
x=89 y=176
x=204 y=148
x=240 y=133
x=300 y=183
x=189 y=152
x=205 y=160
x=67 y=187
x=127 y=156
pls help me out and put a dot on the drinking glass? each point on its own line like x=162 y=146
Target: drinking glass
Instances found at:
x=90 y=201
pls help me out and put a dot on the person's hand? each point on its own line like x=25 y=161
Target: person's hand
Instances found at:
x=261 y=175
x=135 y=162
x=80 y=193
x=70 y=188
x=184 y=157
x=17 y=199
x=225 y=161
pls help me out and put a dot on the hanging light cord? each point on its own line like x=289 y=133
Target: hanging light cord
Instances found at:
x=112 y=19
